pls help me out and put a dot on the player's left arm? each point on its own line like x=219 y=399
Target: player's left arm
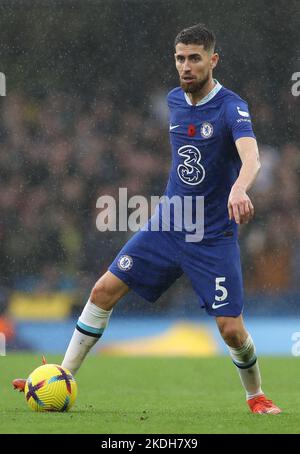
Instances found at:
x=240 y=207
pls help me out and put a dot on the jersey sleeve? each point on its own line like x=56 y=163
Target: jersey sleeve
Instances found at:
x=171 y=98
x=238 y=120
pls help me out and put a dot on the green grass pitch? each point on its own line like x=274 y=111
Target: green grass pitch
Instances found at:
x=155 y=395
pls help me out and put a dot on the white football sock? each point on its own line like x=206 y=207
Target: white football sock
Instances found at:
x=89 y=329
x=246 y=362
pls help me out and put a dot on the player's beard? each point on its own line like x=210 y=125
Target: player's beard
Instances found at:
x=195 y=86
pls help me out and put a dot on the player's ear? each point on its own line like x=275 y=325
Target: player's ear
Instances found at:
x=214 y=60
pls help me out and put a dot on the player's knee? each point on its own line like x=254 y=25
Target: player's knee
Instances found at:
x=103 y=296
x=231 y=335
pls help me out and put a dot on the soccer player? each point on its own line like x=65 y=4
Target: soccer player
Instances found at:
x=215 y=156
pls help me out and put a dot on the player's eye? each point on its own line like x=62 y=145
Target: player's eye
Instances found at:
x=180 y=59
x=196 y=58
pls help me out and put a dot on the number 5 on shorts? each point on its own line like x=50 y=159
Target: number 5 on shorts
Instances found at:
x=221 y=288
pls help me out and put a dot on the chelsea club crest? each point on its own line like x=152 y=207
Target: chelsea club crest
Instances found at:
x=125 y=263
x=206 y=130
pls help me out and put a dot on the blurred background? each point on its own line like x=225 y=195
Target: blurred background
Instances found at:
x=85 y=114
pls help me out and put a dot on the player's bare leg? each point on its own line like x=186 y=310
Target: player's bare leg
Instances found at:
x=94 y=319
x=242 y=352
x=91 y=324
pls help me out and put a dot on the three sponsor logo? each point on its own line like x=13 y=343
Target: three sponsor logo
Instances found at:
x=190 y=171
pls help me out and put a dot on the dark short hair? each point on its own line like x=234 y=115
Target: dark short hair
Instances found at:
x=197 y=34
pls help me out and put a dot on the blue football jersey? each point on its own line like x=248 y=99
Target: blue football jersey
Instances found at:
x=205 y=161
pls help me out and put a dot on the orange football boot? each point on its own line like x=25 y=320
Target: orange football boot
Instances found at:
x=261 y=405
x=19 y=383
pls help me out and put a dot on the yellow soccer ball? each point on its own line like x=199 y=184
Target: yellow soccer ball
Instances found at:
x=50 y=388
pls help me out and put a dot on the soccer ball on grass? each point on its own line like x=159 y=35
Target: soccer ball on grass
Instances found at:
x=50 y=388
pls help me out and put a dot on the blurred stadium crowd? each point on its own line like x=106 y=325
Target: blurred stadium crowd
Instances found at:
x=60 y=153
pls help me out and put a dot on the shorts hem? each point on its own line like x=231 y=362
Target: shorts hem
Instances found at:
x=224 y=315
x=134 y=287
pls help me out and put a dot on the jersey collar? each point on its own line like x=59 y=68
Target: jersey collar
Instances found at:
x=208 y=97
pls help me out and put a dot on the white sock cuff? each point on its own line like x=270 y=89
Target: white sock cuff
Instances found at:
x=94 y=316
x=244 y=354
x=247 y=345
x=96 y=310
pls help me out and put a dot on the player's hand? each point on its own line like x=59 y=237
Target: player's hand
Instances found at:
x=240 y=207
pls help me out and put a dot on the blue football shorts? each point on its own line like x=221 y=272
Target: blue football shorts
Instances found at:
x=150 y=262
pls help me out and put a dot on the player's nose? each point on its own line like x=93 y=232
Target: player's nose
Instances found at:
x=186 y=66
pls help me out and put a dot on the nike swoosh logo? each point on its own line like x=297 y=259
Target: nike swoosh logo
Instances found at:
x=216 y=306
x=174 y=127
